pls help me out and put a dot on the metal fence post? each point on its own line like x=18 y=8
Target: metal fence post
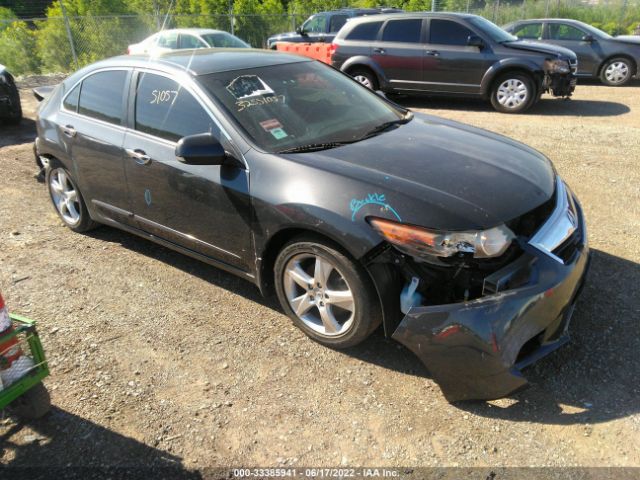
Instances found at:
x=68 y=28
x=231 y=18
x=468 y=5
x=433 y=5
x=546 y=8
x=496 y=6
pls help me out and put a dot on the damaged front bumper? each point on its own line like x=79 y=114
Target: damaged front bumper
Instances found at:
x=559 y=84
x=476 y=349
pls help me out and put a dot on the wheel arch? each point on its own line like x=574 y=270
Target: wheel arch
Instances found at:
x=365 y=62
x=497 y=70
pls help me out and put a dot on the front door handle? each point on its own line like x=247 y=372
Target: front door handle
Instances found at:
x=432 y=53
x=69 y=131
x=381 y=51
x=139 y=156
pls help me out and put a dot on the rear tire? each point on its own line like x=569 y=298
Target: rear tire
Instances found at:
x=333 y=297
x=617 y=72
x=513 y=93
x=67 y=199
x=365 y=77
x=32 y=404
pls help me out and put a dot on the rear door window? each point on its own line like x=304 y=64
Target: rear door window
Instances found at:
x=365 y=31
x=101 y=96
x=447 y=32
x=531 y=31
x=168 y=40
x=190 y=41
x=403 y=31
x=166 y=110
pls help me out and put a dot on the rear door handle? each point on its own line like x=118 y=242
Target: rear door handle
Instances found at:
x=69 y=131
x=381 y=51
x=139 y=156
x=432 y=53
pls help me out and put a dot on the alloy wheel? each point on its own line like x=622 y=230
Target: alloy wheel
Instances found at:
x=65 y=196
x=617 y=72
x=512 y=93
x=364 y=80
x=319 y=294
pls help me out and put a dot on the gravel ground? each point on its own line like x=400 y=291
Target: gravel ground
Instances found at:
x=157 y=359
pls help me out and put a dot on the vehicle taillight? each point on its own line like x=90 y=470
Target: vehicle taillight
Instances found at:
x=333 y=48
x=128 y=50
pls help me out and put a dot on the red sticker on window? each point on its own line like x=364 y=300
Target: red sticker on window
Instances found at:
x=271 y=124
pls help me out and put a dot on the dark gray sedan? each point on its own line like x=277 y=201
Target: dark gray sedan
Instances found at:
x=10 y=108
x=465 y=245
x=614 y=60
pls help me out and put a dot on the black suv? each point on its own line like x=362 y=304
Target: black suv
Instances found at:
x=612 y=59
x=323 y=26
x=454 y=54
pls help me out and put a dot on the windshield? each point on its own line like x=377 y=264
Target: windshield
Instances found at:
x=223 y=40
x=492 y=30
x=284 y=107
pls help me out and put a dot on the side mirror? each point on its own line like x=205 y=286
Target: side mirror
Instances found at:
x=588 y=39
x=300 y=31
x=201 y=149
x=475 y=41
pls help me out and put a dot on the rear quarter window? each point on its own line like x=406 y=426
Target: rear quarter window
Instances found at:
x=364 y=31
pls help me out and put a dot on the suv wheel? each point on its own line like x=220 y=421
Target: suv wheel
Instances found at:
x=365 y=77
x=326 y=294
x=616 y=72
x=513 y=93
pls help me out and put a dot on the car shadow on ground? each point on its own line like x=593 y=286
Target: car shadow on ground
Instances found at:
x=546 y=106
x=593 y=379
x=45 y=450
x=25 y=132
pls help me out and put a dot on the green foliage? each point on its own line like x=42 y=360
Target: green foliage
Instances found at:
x=17 y=48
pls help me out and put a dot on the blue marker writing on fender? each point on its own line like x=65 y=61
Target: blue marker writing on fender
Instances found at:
x=371 y=199
x=147 y=197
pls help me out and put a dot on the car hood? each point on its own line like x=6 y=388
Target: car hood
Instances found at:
x=283 y=35
x=541 y=47
x=440 y=174
x=633 y=39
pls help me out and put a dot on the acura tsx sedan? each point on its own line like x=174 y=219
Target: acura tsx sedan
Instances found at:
x=466 y=246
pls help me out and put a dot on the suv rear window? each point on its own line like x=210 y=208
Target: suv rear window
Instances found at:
x=406 y=31
x=446 y=32
x=365 y=31
x=336 y=23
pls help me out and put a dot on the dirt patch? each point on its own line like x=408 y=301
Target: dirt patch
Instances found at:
x=158 y=359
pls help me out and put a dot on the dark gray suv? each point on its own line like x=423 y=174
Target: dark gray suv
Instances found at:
x=452 y=54
x=612 y=59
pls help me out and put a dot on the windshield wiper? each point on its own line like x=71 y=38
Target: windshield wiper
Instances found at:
x=312 y=147
x=387 y=125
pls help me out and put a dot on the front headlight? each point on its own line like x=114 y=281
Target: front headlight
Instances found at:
x=557 y=66
x=418 y=242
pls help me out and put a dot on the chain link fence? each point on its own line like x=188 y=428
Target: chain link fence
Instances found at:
x=62 y=44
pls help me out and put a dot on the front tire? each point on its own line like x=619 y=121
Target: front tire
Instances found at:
x=513 y=93
x=616 y=72
x=67 y=199
x=32 y=404
x=326 y=294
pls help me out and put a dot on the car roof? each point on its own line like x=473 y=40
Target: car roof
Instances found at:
x=399 y=15
x=202 y=61
x=548 y=20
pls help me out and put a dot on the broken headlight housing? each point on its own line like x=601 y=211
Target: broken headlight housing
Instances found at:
x=420 y=242
x=557 y=66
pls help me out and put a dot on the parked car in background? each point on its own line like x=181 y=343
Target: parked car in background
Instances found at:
x=614 y=60
x=10 y=108
x=323 y=26
x=183 y=38
x=452 y=54
x=467 y=246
